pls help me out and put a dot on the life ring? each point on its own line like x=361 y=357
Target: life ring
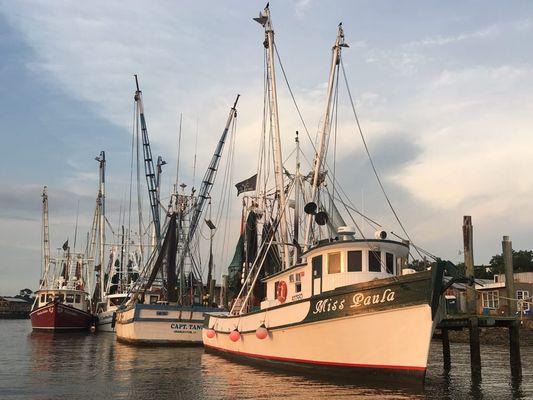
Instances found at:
x=281 y=293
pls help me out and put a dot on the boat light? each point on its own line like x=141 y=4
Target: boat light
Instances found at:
x=210 y=333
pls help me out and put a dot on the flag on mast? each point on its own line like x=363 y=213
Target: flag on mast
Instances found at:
x=247 y=185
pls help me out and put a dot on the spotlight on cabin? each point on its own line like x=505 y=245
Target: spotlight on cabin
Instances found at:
x=380 y=235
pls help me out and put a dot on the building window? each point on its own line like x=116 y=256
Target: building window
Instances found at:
x=355 y=261
x=491 y=299
x=523 y=306
x=78 y=298
x=374 y=261
x=389 y=263
x=334 y=263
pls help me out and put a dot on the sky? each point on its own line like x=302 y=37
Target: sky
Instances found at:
x=443 y=92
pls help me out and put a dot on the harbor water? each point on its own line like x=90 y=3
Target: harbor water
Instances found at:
x=95 y=366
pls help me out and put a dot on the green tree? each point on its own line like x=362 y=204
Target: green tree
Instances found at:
x=522 y=262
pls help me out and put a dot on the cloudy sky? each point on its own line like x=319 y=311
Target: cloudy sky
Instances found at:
x=444 y=93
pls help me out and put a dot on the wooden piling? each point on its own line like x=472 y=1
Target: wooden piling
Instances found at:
x=471 y=299
x=468 y=234
x=514 y=328
x=446 y=357
x=224 y=291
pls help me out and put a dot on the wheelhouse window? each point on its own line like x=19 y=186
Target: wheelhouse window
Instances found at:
x=317 y=266
x=298 y=282
x=491 y=299
x=355 y=261
x=153 y=299
x=334 y=263
x=374 y=261
x=43 y=297
x=78 y=298
x=524 y=296
x=49 y=297
x=70 y=298
x=61 y=297
x=389 y=263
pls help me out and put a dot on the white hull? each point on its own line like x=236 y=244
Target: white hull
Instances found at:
x=393 y=339
x=160 y=325
x=105 y=321
x=377 y=330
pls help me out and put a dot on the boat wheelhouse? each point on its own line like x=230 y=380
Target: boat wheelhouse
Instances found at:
x=335 y=264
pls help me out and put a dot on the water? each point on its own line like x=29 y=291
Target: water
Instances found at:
x=46 y=366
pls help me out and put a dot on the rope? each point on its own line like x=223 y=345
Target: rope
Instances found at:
x=370 y=157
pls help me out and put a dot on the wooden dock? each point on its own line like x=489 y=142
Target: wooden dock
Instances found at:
x=474 y=322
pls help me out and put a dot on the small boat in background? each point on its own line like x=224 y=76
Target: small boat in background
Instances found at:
x=63 y=300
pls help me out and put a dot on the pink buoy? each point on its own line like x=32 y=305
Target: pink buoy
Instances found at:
x=234 y=335
x=261 y=332
x=210 y=333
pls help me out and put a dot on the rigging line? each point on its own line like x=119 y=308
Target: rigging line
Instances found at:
x=368 y=219
x=370 y=157
x=305 y=125
x=420 y=248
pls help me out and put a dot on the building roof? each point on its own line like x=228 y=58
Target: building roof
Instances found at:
x=13 y=299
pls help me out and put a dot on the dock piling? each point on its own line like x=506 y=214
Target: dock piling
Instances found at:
x=446 y=357
x=514 y=328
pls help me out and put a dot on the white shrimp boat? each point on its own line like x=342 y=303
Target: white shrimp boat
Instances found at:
x=331 y=303
x=167 y=304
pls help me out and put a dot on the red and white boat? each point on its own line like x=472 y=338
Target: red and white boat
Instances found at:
x=63 y=300
x=61 y=309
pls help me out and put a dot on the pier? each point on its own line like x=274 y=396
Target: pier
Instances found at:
x=473 y=322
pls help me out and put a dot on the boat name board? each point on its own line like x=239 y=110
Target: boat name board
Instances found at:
x=369 y=300
x=185 y=327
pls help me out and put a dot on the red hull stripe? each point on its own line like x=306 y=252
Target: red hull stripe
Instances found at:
x=333 y=364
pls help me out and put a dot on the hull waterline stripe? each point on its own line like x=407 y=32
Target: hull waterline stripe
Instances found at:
x=302 y=361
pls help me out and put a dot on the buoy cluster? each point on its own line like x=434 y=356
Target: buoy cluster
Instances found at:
x=235 y=335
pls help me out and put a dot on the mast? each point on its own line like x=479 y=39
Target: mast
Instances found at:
x=265 y=20
x=324 y=129
x=148 y=165
x=101 y=219
x=297 y=190
x=46 y=238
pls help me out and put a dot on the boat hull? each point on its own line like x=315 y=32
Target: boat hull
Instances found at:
x=105 y=321
x=356 y=334
x=160 y=324
x=60 y=317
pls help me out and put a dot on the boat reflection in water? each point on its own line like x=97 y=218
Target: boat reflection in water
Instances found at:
x=82 y=365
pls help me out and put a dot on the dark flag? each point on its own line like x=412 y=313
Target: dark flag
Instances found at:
x=247 y=185
x=65 y=245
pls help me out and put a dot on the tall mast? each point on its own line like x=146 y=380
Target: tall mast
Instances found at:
x=101 y=219
x=265 y=20
x=46 y=239
x=324 y=129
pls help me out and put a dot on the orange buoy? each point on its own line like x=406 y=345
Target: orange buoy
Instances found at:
x=234 y=335
x=281 y=293
x=210 y=333
x=261 y=332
